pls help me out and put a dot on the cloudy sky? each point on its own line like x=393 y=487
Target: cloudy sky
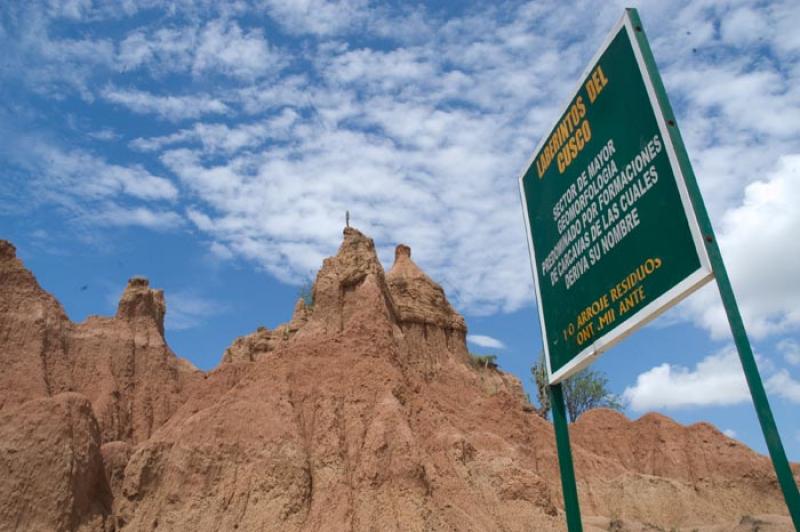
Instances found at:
x=215 y=147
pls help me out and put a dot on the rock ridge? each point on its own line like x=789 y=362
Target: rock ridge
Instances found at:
x=139 y=301
x=360 y=413
x=410 y=303
x=121 y=364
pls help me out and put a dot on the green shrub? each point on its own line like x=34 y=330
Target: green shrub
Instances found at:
x=583 y=391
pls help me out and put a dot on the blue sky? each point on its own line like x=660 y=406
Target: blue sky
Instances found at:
x=214 y=147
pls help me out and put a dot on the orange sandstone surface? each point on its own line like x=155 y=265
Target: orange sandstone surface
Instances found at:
x=360 y=413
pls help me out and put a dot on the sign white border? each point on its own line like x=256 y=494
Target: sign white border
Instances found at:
x=671 y=297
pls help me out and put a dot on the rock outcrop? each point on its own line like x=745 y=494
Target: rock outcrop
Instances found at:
x=252 y=346
x=33 y=329
x=685 y=475
x=434 y=332
x=137 y=382
x=419 y=300
x=349 y=287
x=51 y=468
x=139 y=303
x=361 y=413
x=122 y=364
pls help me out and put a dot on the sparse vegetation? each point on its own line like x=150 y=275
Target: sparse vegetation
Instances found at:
x=588 y=389
x=483 y=361
x=539 y=372
x=615 y=525
x=583 y=391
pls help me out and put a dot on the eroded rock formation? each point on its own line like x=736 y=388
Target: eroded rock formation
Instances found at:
x=122 y=364
x=361 y=413
x=51 y=468
x=252 y=346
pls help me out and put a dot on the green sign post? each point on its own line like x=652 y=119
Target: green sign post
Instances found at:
x=618 y=231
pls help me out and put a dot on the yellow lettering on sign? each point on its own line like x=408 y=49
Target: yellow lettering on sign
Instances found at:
x=626 y=295
x=595 y=84
x=574 y=145
x=631 y=300
x=561 y=136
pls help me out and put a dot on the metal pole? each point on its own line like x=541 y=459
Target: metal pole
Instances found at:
x=765 y=418
x=568 y=486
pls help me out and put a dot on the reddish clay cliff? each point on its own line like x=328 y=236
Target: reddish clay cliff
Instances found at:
x=361 y=413
x=122 y=364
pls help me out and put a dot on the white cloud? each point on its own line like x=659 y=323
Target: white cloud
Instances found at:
x=47 y=64
x=112 y=214
x=220 y=251
x=321 y=17
x=292 y=197
x=783 y=16
x=186 y=310
x=744 y=26
x=757 y=242
x=412 y=119
x=738 y=111
x=783 y=385
x=173 y=108
x=790 y=349
x=106 y=134
x=485 y=341
x=221 y=138
x=217 y=47
x=56 y=172
x=226 y=48
x=730 y=433
x=74 y=9
x=89 y=188
x=716 y=380
x=420 y=125
x=415 y=142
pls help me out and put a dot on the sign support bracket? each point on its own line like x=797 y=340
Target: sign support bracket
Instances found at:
x=568 y=485
x=757 y=392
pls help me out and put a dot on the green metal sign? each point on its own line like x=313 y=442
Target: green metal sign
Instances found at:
x=618 y=232
x=614 y=240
